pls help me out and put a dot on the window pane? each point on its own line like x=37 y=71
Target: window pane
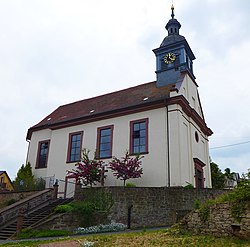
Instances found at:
x=143 y=141
x=136 y=150
x=142 y=149
x=105 y=146
x=105 y=139
x=136 y=126
x=105 y=132
x=136 y=142
x=73 y=145
x=104 y=154
x=77 y=151
x=136 y=134
x=143 y=125
x=142 y=133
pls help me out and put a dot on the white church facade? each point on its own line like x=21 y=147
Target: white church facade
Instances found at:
x=162 y=120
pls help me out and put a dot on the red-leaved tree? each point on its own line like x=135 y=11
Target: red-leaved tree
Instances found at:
x=88 y=171
x=127 y=167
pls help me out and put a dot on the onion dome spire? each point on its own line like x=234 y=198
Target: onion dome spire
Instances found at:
x=172 y=8
x=173 y=26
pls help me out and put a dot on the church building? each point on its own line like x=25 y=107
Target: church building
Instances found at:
x=162 y=120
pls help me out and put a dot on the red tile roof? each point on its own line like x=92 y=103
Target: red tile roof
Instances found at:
x=119 y=101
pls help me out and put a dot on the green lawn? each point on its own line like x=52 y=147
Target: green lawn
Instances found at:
x=158 y=238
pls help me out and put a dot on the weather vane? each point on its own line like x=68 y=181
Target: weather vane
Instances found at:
x=172 y=8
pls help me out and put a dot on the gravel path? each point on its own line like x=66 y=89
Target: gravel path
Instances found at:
x=68 y=243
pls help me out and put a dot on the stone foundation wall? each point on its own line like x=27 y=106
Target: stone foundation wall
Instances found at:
x=152 y=206
x=66 y=221
x=219 y=223
x=9 y=195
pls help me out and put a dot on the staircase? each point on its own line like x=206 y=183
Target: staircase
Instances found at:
x=32 y=218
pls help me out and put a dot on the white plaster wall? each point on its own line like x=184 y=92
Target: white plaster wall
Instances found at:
x=154 y=163
x=189 y=90
x=187 y=149
x=184 y=147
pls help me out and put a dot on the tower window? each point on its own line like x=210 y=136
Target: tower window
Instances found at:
x=175 y=30
x=171 y=30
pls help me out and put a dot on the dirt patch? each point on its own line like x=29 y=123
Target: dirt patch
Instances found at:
x=68 y=243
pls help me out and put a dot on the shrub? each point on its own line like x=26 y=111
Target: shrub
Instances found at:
x=130 y=185
x=197 y=204
x=95 y=202
x=11 y=201
x=239 y=198
x=189 y=186
x=63 y=208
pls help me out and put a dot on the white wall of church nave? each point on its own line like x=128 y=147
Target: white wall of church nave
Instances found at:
x=154 y=163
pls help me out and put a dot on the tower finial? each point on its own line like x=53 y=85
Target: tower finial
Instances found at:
x=172 y=8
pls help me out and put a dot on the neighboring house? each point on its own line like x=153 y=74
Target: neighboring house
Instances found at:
x=5 y=182
x=162 y=120
x=232 y=182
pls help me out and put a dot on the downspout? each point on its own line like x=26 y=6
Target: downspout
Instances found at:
x=168 y=142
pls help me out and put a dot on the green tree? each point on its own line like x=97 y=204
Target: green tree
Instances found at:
x=25 y=179
x=218 y=178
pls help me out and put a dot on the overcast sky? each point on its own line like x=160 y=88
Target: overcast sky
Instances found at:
x=55 y=52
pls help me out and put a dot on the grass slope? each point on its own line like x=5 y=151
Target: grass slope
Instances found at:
x=160 y=238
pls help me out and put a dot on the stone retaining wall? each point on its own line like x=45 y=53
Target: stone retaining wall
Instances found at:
x=152 y=206
x=11 y=195
x=64 y=221
x=219 y=223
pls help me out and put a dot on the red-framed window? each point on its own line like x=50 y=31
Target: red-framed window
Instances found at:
x=199 y=173
x=104 y=142
x=139 y=136
x=42 y=154
x=75 y=146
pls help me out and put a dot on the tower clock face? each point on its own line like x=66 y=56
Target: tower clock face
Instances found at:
x=169 y=58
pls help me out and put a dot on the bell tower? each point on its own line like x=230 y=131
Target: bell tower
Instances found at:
x=174 y=56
